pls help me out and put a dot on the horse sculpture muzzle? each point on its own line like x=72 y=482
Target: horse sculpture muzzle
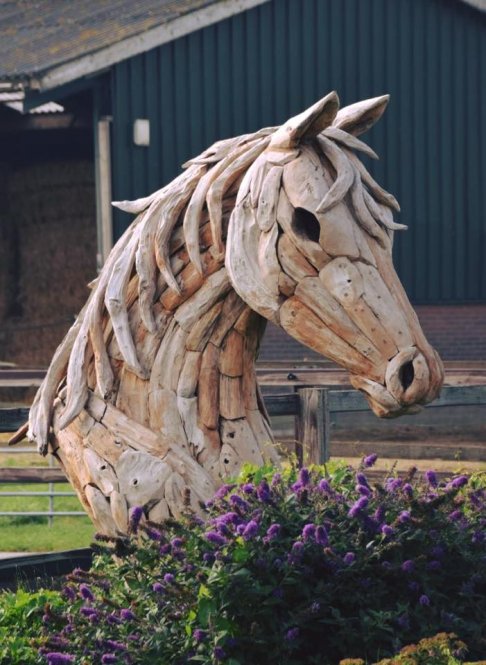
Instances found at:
x=412 y=379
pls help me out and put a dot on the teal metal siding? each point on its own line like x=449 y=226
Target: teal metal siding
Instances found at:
x=268 y=63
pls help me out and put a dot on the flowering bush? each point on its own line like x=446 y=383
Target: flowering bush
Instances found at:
x=288 y=568
x=442 y=649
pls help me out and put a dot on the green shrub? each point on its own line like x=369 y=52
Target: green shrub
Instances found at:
x=21 y=620
x=293 y=568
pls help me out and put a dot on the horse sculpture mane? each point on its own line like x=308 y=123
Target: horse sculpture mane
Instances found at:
x=153 y=392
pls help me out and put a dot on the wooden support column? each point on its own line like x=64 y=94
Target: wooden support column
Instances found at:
x=313 y=424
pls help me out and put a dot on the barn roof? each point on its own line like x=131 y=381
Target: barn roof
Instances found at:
x=47 y=43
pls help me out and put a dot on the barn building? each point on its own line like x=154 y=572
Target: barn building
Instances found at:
x=105 y=99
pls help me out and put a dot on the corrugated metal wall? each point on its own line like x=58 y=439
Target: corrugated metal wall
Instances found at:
x=268 y=63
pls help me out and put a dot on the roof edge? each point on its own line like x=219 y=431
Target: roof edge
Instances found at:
x=93 y=63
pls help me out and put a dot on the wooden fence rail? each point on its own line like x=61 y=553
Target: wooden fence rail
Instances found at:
x=311 y=406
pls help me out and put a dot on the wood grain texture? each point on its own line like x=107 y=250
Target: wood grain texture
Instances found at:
x=152 y=400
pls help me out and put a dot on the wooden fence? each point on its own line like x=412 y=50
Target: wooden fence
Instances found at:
x=310 y=405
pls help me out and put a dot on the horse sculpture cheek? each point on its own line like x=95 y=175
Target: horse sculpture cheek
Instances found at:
x=151 y=400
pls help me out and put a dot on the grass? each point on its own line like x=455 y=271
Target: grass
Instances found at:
x=66 y=533
x=34 y=534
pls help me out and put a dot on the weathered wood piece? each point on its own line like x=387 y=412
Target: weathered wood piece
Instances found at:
x=152 y=396
x=313 y=425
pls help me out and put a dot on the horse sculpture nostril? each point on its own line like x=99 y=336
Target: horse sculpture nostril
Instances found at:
x=407 y=374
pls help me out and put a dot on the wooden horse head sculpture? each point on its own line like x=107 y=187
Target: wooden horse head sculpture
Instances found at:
x=153 y=392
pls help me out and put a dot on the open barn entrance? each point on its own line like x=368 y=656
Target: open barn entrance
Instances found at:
x=47 y=226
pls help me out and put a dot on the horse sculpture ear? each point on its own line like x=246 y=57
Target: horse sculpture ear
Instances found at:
x=358 y=118
x=308 y=124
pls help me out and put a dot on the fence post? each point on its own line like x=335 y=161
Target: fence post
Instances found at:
x=313 y=423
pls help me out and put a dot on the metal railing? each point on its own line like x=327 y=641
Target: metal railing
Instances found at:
x=51 y=493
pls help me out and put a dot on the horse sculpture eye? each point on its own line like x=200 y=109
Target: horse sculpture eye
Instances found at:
x=306 y=224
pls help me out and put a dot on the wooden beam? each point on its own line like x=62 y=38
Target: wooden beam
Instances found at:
x=313 y=424
x=32 y=475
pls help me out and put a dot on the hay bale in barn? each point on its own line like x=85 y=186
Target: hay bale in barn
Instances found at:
x=53 y=205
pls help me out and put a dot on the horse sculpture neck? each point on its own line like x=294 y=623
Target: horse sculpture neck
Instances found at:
x=151 y=400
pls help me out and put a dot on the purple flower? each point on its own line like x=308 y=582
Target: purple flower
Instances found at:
x=358 y=506
x=153 y=534
x=239 y=502
x=434 y=565
x=349 y=558
x=228 y=518
x=404 y=516
x=113 y=620
x=248 y=488
x=407 y=489
x=251 y=530
x=437 y=551
x=379 y=514
x=223 y=491
x=108 y=658
x=424 y=600
x=324 y=486
x=89 y=612
x=69 y=593
x=478 y=537
x=403 y=621
x=199 y=635
x=297 y=487
x=169 y=578
x=292 y=634
x=386 y=530
x=455 y=515
x=165 y=549
x=296 y=552
x=219 y=653
x=413 y=586
x=273 y=531
x=308 y=532
x=315 y=607
x=304 y=476
x=361 y=479
x=56 y=658
x=208 y=557
x=116 y=646
x=431 y=478
x=392 y=484
x=263 y=492
x=276 y=479
x=215 y=538
x=370 y=460
x=177 y=542
x=136 y=514
x=408 y=566
x=321 y=536
x=460 y=481
x=127 y=615
x=363 y=490
x=85 y=592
